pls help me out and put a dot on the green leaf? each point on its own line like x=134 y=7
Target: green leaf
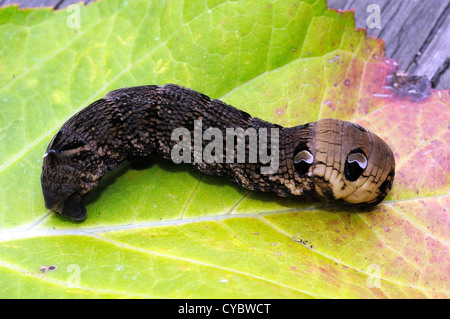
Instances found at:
x=167 y=232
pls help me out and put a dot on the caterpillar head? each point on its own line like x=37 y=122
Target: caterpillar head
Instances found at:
x=346 y=162
x=70 y=170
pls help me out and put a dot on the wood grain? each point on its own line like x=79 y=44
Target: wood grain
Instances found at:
x=417 y=34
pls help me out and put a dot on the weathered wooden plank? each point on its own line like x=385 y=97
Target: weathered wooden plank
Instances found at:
x=415 y=32
x=434 y=59
x=442 y=77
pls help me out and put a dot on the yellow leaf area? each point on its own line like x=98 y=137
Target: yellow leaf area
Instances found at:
x=167 y=232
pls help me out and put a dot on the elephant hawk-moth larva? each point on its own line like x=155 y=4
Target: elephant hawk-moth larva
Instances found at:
x=329 y=159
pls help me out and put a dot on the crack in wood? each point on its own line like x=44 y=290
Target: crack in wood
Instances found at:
x=437 y=76
x=428 y=39
x=56 y=7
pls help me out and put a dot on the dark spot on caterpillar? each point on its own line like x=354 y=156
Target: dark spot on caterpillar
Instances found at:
x=185 y=126
x=303 y=159
x=355 y=164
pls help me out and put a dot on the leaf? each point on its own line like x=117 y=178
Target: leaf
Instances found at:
x=167 y=232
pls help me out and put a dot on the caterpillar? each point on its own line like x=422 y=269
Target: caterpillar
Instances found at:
x=330 y=159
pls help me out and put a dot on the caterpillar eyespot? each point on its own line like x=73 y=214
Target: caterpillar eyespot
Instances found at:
x=329 y=159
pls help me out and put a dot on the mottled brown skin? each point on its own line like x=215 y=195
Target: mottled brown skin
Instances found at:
x=134 y=123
